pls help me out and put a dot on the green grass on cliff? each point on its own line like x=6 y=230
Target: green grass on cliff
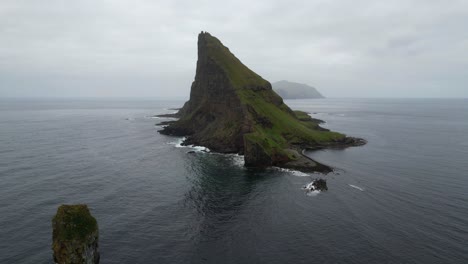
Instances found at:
x=285 y=129
x=301 y=115
x=73 y=222
x=277 y=127
x=307 y=120
x=238 y=73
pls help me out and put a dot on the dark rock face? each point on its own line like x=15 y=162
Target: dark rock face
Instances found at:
x=75 y=235
x=213 y=107
x=317 y=185
x=234 y=110
x=320 y=185
x=255 y=155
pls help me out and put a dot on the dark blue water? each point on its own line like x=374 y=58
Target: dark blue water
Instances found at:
x=402 y=198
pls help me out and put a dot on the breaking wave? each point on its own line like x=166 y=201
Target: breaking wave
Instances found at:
x=313 y=193
x=310 y=189
x=356 y=187
x=236 y=159
x=178 y=144
x=293 y=172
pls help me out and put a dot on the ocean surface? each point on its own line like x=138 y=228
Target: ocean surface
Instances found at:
x=402 y=198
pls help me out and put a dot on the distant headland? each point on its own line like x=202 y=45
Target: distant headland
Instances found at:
x=293 y=90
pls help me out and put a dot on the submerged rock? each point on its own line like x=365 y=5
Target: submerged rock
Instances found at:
x=234 y=110
x=75 y=235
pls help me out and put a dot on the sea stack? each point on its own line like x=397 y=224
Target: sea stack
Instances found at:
x=75 y=235
x=234 y=110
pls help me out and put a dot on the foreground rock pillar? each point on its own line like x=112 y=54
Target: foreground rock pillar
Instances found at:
x=75 y=235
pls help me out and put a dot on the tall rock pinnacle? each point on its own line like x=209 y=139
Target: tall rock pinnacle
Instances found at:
x=234 y=110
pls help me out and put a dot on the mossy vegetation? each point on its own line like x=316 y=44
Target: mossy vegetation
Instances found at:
x=73 y=222
x=238 y=73
x=285 y=127
x=305 y=117
x=301 y=115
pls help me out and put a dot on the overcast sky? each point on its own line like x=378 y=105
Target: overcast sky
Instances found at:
x=121 y=48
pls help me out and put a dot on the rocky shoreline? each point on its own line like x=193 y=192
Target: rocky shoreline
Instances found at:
x=302 y=163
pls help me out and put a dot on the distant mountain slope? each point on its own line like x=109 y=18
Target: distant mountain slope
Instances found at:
x=292 y=90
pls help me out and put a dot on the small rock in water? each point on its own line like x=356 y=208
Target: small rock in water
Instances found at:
x=75 y=235
x=317 y=185
x=191 y=152
x=320 y=184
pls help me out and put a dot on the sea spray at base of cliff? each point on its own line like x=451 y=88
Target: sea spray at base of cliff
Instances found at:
x=310 y=189
x=236 y=159
x=292 y=172
x=313 y=193
x=180 y=141
x=177 y=143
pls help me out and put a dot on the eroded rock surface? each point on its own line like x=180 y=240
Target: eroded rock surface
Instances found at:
x=75 y=235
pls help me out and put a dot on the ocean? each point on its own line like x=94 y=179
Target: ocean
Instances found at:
x=402 y=198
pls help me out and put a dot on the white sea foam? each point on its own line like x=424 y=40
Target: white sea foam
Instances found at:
x=313 y=193
x=237 y=159
x=310 y=186
x=162 y=117
x=178 y=144
x=293 y=172
x=199 y=148
x=356 y=187
x=310 y=189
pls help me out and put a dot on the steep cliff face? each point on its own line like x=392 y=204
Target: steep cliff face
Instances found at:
x=234 y=110
x=215 y=116
x=75 y=235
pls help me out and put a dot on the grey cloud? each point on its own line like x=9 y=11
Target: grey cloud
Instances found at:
x=144 y=48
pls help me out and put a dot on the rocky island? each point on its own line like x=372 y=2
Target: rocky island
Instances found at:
x=234 y=110
x=75 y=235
